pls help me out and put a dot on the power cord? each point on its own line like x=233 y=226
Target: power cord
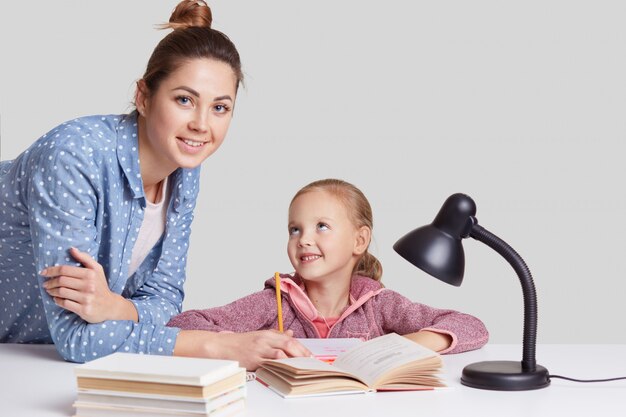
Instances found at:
x=586 y=380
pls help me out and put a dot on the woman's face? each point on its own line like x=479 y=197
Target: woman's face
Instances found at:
x=186 y=119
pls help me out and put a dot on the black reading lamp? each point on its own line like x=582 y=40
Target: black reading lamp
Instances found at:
x=436 y=249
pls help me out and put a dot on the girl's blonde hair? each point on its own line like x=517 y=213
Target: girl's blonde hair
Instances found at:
x=359 y=213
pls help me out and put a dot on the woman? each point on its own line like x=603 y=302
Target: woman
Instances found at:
x=96 y=214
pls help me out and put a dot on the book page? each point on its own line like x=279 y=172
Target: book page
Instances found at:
x=303 y=365
x=327 y=349
x=374 y=358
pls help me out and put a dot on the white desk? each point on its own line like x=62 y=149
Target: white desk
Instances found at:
x=35 y=382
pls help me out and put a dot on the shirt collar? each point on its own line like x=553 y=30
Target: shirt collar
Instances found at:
x=185 y=180
x=128 y=152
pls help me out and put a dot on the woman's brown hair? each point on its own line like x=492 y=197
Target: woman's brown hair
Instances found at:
x=192 y=38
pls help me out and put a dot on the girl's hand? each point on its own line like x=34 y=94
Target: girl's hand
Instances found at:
x=85 y=291
x=431 y=340
x=250 y=348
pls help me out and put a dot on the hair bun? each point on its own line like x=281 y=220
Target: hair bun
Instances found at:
x=190 y=13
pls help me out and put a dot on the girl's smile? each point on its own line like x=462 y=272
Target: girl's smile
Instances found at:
x=308 y=258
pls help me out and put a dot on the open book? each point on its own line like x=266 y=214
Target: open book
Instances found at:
x=387 y=363
x=327 y=349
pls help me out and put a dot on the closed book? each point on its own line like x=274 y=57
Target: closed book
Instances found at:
x=156 y=368
x=227 y=410
x=151 y=402
x=160 y=375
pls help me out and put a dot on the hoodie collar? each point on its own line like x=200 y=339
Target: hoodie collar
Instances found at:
x=361 y=290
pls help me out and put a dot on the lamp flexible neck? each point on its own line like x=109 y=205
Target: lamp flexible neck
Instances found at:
x=528 y=288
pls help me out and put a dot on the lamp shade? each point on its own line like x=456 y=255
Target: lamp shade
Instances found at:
x=436 y=248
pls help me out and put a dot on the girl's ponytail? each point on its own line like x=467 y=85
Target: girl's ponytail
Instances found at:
x=369 y=266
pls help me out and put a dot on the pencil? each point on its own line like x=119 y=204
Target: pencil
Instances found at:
x=279 y=302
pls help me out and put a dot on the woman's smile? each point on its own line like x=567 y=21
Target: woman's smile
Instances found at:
x=191 y=146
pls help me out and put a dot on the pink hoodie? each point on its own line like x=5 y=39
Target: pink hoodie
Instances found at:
x=373 y=311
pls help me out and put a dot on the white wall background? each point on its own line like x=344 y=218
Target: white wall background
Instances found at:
x=521 y=105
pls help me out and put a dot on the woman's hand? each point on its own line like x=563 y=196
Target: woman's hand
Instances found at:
x=85 y=291
x=250 y=348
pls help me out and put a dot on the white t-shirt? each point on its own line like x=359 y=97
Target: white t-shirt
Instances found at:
x=152 y=228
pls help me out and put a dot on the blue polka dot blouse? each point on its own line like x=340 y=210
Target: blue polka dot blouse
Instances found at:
x=80 y=185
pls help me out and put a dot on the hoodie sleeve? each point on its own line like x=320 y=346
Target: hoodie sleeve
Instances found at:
x=400 y=315
x=254 y=312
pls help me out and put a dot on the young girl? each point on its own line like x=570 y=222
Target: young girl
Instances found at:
x=96 y=214
x=336 y=290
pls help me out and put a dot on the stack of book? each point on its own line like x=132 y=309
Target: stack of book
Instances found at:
x=135 y=385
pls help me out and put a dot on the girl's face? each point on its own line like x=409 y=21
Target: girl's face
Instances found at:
x=185 y=120
x=323 y=243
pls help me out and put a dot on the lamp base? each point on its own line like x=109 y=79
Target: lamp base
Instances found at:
x=504 y=376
